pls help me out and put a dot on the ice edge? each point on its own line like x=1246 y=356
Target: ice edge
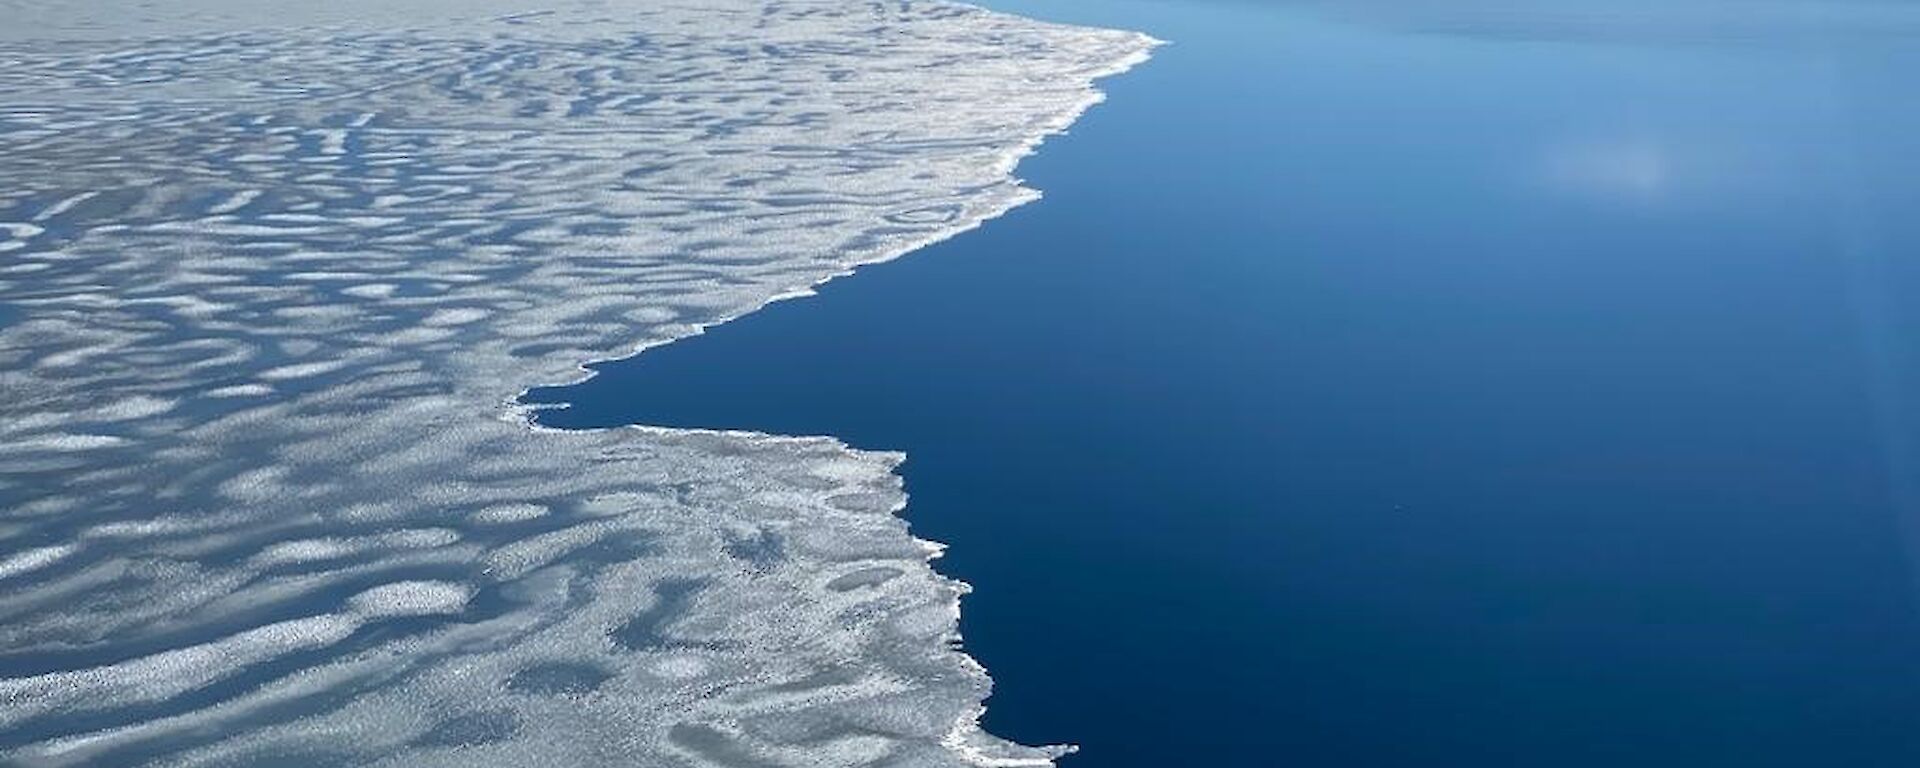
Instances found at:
x=961 y=738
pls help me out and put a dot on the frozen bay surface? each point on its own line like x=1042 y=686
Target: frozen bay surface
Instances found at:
x=271 y=275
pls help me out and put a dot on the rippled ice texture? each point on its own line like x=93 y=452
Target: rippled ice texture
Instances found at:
x=270 y=276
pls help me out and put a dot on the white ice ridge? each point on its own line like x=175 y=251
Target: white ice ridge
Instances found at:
x=270 y=274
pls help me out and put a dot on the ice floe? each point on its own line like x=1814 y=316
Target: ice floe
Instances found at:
x=274 y=273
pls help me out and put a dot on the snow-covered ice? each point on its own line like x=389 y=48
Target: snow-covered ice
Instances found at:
x=271 y=275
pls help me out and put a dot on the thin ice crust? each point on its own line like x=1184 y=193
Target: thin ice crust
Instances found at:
x=269 y=283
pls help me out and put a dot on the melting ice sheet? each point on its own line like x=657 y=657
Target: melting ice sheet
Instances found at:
x=272 y=275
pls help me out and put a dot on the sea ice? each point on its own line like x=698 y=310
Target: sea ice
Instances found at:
x=275 y=272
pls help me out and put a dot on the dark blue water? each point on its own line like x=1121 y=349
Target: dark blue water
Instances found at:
x=1389 y=385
